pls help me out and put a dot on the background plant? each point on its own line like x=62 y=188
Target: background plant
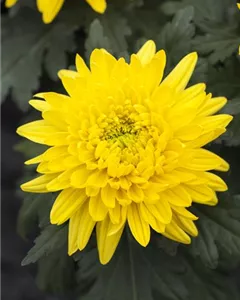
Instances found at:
x=164 y=270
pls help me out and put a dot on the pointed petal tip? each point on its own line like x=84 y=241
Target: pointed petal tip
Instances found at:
x=18 y=131
x=230 y=118
x=39 y=95
x=71 y=252
x=193 y=57
x=146 y=52
x=22 y=187
x=26 y=187
x=104 y=260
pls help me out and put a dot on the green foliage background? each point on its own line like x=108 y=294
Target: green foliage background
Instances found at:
x=164 y=270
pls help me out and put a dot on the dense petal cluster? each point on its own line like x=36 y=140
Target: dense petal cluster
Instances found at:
x=50 y=8
x=125 y=146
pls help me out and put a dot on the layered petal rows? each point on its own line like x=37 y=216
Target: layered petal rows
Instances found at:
x=125 y=146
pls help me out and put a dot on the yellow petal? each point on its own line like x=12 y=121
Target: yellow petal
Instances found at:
x=161 y=97
x=177 y=196
x=34 y=160
x=215 y=182
x=38 y=185
x=49 y=9
x=213 y=122
x=213 y=201
x=55 y=100
x=56 y=119
x=86 y=226
x=80 y=177
x=150 y=219
x=67 y=202
x=115 y=213
x=81 y=67
x=10 y=3
x=205 y=138
x=92 y=191
x=161 y=211
x=174 y=232
x=192 y=92
x=187 y=225
x=97 y=209
x=139 y=228
x=189 y=132
x=36 y=131
x=98 y=5
x=98 y=179
x=135 y=193
x=107 y=244
x=200 y=160
x=183 y=175
x=67 y=74
x=73 y=233
x=108 y=196
x=211 y=106
x=62 y=181
x=153 y=71
x=55 y=152
x=180 y=75
x=147 y=52
x=101 y=65
x=71 y=82
x=39 y=105
x=199 y=193
x=184 y=212
x=114 y=228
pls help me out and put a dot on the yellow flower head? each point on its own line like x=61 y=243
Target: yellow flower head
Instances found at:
x=50 y=8
x=125 y=147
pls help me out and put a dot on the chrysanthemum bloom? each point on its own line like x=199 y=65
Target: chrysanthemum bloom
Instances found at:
x=125 y=147
x=50 y=8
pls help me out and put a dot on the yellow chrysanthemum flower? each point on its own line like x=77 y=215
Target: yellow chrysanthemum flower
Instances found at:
x=125 y=147
x=238 y=5
x=50 y=8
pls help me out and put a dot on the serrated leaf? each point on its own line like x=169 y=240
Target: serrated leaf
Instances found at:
x=56 y=272
x=31 y=39
x=218 y=227
x=219 y=41
x=205 y=9
x=51 y=239
x=34 y=211
x=133 y=274
x=109 y=32
x=175 y=37
x=137 y=273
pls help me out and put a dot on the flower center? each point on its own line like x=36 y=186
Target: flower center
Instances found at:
x=121 y=130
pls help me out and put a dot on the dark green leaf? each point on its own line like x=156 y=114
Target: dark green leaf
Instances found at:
x=133 y=274
x=22 y=67
x=56 y=272
x=34 y=210
x=219 y=227
x=109 y=32
x=219 y=41
x=175 y=37
x=51 y=239
x=137 y=273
